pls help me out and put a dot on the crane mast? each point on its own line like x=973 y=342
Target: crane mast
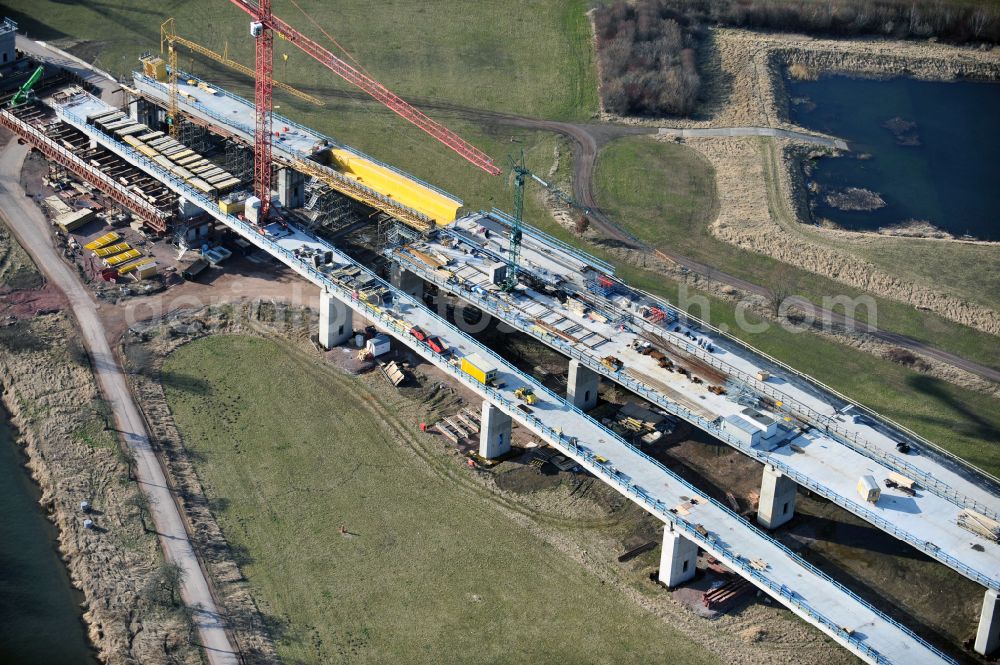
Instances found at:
x=521 y=175
x=514 y=248
x=168 y=33
x=262 y=27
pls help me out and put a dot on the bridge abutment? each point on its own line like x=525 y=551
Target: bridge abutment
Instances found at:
x=494 y=432
x=335 y=321
x=678 y=558
x=581 y=387
x=777 y=499
x=988 y=635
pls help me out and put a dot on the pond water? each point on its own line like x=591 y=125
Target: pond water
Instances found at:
x=40 y=615
x=930 y=150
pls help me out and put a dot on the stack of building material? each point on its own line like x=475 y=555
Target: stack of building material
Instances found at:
x=103 y=241
x=979 y=524
x=70 y=221
x=393 y=373
x=447 y=433
x=723 y=597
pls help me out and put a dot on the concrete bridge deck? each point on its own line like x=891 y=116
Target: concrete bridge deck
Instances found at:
x=829 y=458
x=808 y=592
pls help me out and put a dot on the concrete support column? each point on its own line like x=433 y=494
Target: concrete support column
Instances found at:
x=335 y=319
x=406 y=281
x=678 y=558
x=988 y=635
x=494 y=433
x=291 y=188
x=581 y=388
x=777 y=499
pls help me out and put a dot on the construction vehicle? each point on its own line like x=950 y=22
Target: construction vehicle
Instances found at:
x=613 y=363
x=527 y=394
x=483 y=371
x=22 y=93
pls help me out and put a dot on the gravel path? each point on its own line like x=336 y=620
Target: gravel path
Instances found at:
x=32 y=231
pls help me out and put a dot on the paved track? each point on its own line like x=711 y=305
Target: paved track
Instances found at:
x=32 y=231
x=827 y=141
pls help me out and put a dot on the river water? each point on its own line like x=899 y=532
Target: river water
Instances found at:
x=40 y=615
x=929 y=149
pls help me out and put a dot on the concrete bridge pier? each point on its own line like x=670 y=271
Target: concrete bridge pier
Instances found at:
x=581 y=387
x=988 y=635
x=291 y=188
x=777 y=499
x=678 y=558
x=335 y=321
x=406 y=281
x=494 y=432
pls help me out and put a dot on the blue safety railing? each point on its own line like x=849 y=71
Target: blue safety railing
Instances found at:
x=573 y=449
x=579 y=254
x=828 y=424
x=832 y=391
x=282 y=120
x=519 y=322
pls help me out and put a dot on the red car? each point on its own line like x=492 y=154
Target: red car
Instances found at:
x=418 y=333
x=435 y=344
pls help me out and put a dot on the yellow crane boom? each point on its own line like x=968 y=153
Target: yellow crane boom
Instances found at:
x=168 y=35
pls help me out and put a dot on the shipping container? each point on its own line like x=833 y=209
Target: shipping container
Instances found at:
x=378 y=345
x=869 y=489
x=481 y=370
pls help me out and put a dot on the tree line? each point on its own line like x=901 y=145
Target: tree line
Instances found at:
x=647 y=58
x=647 y=49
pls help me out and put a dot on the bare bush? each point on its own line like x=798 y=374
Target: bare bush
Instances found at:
x=647 y=58
x=903 y=19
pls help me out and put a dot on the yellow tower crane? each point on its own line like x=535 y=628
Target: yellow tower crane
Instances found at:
x=170 y=39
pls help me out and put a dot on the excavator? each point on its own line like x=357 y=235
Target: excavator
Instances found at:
x=23 y=92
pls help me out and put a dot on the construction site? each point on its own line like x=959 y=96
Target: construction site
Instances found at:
x=175 y=178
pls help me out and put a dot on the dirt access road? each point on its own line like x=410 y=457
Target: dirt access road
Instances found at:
x=589 y=138
x=32 y=231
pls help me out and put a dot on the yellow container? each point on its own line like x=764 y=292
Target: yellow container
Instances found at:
x=481 y=370
x=155 y=67
x=231 y=207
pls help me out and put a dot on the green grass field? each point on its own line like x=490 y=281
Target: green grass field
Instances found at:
x=665 y=195
x=289 y=450
x=524 y=56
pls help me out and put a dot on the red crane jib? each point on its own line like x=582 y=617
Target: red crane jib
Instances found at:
x=373 y=88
